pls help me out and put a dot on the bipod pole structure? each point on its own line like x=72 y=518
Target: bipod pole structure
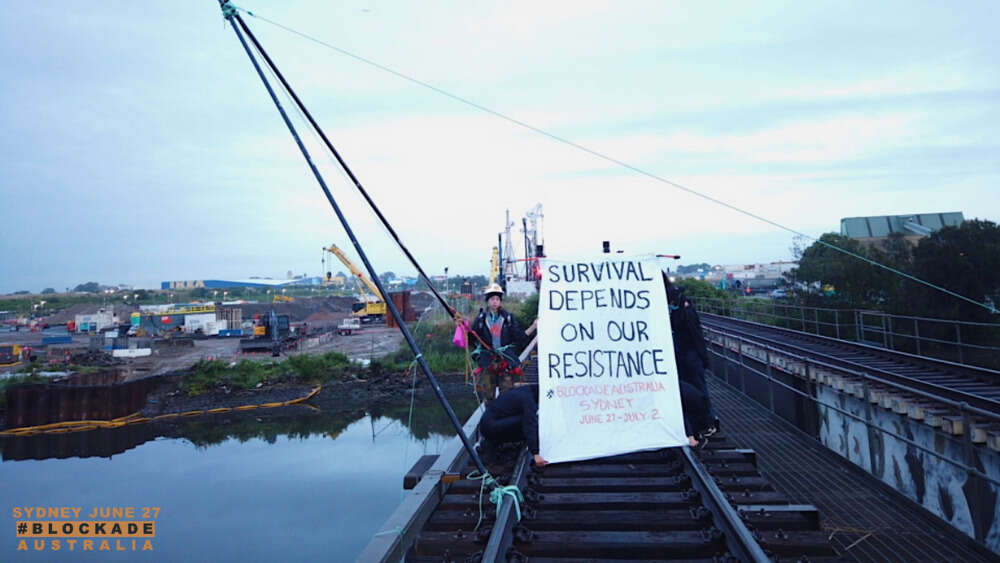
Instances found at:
x=230 y=14
x=343 y=164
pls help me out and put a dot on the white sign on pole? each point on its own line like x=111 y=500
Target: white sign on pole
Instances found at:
x=606 y=370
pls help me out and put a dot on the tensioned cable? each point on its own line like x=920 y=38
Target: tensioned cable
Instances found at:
x=316 y=129
x=623 y=164
x=231 y=14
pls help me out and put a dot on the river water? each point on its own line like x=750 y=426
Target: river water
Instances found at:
x=292 y=485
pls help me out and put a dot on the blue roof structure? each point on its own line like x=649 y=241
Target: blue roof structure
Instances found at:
x=253 y=282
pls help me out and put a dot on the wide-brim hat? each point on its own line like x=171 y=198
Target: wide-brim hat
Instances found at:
x=493 y=289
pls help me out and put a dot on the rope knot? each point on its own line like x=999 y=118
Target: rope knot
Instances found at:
x=228 y=10
x=497 y=494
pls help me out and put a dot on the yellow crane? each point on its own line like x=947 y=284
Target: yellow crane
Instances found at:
x=494 y=266
x=373 y=307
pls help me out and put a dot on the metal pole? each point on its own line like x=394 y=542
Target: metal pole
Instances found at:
x=743 y=373
x=958 y=342
x=364 y=257
x=916 y=333
x=967 y=433
x=770 y=380
x=868 y=423
x=836 y=322
x=857 y=333
x=885 y=344
x=892 y=343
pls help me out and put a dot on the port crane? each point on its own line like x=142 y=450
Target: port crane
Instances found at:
x=372 y=308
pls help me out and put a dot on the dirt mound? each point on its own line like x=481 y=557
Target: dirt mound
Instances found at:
x=324 y=318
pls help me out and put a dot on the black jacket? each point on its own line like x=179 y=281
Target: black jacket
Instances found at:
x=520 y=402
x=686 y=326
x=510 y=333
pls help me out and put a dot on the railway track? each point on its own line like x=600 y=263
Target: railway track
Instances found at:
x=977 y=387
x=670 y=504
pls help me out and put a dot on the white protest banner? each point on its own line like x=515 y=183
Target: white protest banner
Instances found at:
x=606 y=370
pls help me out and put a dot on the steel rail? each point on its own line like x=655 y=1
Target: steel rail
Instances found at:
x=907 y=381
x=501 y=537
x=845 y=371
x=739 y=539
x=974 y=371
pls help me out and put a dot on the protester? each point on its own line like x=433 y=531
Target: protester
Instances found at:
x=503 y=339
x=691 y=354
x=512 y=417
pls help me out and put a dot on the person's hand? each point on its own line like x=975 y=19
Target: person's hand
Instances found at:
x=540 y=461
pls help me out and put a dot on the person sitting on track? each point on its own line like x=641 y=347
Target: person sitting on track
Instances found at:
x=512 y=417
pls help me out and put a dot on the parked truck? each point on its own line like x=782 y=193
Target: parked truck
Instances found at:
x=349 y=326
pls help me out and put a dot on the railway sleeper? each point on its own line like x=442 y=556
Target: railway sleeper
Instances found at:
x=799 y=517
x=708 y=542
x=587 y=501
x=612 y=471
x=798 y=544
x=621 y=484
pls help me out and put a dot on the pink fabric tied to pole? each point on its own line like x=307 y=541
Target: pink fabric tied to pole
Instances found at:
x=459 y=338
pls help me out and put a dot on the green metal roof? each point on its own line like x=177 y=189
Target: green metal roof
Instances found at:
x=913 y=224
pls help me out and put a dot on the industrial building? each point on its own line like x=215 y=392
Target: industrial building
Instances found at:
x=913 y=227
x=252 y=282
x=192 y=318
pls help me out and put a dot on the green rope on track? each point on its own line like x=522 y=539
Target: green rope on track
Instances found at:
x=485 y=479
x=497 y=494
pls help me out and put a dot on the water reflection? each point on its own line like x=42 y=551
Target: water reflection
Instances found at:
x=299 y=421
x=292 y=484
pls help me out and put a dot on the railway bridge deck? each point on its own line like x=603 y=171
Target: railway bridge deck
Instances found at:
x=794 y=493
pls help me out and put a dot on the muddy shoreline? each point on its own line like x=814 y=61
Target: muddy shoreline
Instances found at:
x=351 y=394
x=169 y=396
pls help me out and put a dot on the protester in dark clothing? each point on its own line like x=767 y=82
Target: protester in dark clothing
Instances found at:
x=696 y=418
x=504 y=340
x=498 y=328
x=686 y=325
x=513 y=417
x=691 y=354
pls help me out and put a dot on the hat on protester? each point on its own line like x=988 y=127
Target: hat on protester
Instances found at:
x=493 y=289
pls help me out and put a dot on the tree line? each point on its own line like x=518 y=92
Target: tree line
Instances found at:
x=964 y=259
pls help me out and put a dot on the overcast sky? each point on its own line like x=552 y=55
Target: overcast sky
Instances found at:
x=138 y=144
